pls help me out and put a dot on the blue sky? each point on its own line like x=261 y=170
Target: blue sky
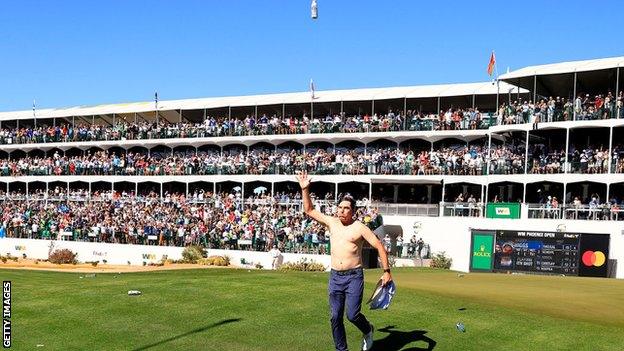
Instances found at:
x=66 y=53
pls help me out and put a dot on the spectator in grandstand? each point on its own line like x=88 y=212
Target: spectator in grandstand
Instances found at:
x=347 y=277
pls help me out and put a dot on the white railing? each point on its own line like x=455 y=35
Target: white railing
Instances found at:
x=462 y=209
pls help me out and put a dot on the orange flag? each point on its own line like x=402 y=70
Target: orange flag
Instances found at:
x=490 y=68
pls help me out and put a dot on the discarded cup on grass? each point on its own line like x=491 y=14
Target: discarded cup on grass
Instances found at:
x=134 y=292
x=460 y=327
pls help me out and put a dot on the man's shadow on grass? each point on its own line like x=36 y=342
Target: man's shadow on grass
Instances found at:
x=194 y=331
x=396 y=340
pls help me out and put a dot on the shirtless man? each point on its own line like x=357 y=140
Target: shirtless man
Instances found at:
x=346 y=281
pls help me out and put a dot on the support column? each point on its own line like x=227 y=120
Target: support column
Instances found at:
x=180 y=115
x=335 y=191
x=395 y=196
x=404 y=108
x=617 y=88
x=497 y=98
x=610 y=150
x=489 y=154
x=341 y=108
x=370 y=190
x=567 y=151
x=373 y=107
x=608 y=192
x=482 y=193
x=438 y=105
x=526 y=154
x=429 y=192
x=443 y=191
x=534 y=88
x=574 y=98
x=524 y=191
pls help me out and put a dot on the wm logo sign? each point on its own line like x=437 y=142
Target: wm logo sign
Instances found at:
x=20 y=248
x=149 y=256
x=503 y=211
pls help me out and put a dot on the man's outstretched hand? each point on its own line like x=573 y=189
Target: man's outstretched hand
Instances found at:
x=303 y=179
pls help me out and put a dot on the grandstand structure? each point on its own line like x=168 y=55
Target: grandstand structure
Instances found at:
x=547 y=137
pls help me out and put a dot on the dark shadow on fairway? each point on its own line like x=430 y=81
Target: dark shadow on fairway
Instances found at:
x=194 y=331
x=396 y=340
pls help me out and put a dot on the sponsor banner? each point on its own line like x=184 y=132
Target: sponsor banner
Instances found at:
x=482 y=250
x=594 y=255
x=509 y=210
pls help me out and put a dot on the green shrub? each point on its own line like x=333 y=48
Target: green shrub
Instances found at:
x=192 y=254
x=303 y=265
x=440 y=260
x=221 y=261
x=62 y=256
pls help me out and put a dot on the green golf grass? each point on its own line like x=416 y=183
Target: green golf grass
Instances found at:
x=230 y=309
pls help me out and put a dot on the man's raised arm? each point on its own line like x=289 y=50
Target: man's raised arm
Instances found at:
x=308 y=208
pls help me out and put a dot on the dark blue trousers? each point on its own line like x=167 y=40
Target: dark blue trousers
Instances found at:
x=346 y=288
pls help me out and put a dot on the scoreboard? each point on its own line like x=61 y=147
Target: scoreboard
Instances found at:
x=547 y=252
x=580 y=254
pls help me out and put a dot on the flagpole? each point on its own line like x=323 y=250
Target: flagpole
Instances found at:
x=156 y=106
x=34 y=114
x=497 y=85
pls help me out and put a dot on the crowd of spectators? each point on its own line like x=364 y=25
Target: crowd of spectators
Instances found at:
x=554 y=109
x=591 y=159
x=250 y=125
x=583 y=107
x=592 y=207
x=451 y=119
x=222 y=220
x=544 y=160
x=455 y=160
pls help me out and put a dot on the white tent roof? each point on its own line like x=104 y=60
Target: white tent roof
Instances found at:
x=566 y=67
x=425 y=91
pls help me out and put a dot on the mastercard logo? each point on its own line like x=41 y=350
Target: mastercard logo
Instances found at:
x=593 y=258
